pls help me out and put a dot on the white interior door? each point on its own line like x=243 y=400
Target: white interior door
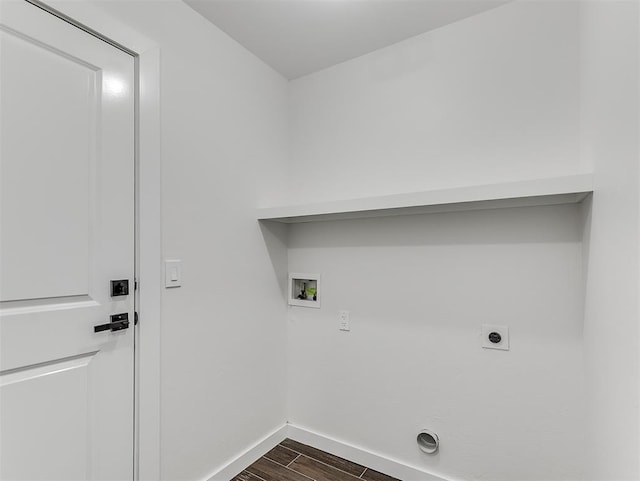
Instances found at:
x=66 y=231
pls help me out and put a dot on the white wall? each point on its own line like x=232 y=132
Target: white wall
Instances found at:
x=490 y=98
x=609 y=89
x=223 y=145
x=418 y=289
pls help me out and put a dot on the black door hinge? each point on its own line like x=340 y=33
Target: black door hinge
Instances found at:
x=135 y=318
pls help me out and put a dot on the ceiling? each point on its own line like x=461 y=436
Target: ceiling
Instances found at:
x=298 y=37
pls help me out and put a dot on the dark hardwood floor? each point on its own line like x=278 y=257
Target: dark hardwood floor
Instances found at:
x=294 y=461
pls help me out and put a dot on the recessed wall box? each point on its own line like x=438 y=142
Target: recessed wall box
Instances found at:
x=304 y=290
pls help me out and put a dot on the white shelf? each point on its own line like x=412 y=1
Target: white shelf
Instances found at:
x=549 y=191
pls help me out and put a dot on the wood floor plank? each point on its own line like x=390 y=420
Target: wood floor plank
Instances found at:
x=294 y=461
x=330 y=459
x=246 y=476
x=270 y=471
x=320 y=471
x=281 y=455
x=371 y=475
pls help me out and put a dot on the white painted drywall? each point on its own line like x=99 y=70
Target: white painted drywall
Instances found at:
x=490 y=98
x=418 y=289
x=223 y=148
x=610 y=129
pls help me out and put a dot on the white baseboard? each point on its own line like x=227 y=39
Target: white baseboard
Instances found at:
x=259 y=449
x=361 y=456
x=326 y=443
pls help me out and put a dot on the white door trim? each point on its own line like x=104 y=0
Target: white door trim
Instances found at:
x=90 y=17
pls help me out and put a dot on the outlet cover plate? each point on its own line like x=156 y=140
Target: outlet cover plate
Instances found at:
x=504 y=334
x=344 y=318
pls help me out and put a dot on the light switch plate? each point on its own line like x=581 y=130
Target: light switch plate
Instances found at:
x=172 y=273
x=344 y=318
x=503 y=333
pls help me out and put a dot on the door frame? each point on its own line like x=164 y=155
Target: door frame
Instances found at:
x=88 y=16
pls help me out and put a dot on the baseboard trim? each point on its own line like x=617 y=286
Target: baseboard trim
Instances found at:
x=331 y=445
x=361 y=456
x=247 y=458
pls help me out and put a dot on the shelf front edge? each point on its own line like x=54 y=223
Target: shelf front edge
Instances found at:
x=559 y=190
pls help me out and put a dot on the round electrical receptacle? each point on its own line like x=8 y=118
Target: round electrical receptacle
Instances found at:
x=495 y=337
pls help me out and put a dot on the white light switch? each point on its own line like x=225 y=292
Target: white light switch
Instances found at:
x=172 y=273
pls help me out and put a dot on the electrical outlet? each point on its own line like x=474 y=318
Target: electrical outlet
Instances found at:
x=343 y=318
x=495 y=337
